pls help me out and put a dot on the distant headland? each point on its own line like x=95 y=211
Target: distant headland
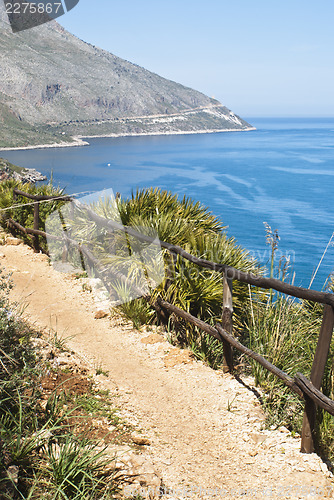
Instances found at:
x=56 y=89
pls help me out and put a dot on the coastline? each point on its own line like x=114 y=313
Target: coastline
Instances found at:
x=175 y=132
x=79 y=139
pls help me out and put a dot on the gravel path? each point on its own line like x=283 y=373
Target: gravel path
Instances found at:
x=205 y=427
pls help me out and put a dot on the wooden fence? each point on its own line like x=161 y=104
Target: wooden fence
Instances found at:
x=34 y=233
x=307 y=389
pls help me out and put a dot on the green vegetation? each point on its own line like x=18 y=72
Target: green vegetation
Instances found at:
x=190 y=225
x=285 y=332
x=24 y=213
x=282 y=330
x=199 y=291
x=99 y=370
x=16 y=132
x=43 y=453
x=138 y=311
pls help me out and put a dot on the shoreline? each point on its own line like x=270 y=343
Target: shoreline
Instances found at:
x=176 y=132
x=78 y=139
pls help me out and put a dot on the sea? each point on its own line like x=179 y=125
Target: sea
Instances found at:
x=281 y=174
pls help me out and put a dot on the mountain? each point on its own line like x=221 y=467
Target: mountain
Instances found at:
x=54 y=86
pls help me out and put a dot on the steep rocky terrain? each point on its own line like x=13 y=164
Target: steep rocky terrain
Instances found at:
x=53 y=85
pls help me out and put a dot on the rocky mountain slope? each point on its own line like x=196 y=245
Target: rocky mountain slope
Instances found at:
x=53 y=86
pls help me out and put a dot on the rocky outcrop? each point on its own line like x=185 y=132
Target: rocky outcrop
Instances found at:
x=25 y=175
x=31 y=175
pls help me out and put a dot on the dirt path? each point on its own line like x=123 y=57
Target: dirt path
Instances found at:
x=205 y=428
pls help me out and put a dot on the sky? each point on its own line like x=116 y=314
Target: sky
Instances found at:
x=259 y=58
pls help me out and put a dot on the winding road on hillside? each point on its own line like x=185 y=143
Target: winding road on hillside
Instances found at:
x=205 y=428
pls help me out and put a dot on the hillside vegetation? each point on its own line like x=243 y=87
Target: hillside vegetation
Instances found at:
x=282 y=330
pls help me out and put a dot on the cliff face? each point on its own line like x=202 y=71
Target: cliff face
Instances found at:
x=53 y=84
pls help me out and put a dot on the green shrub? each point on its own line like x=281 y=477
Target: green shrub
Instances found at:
x=138 y=311
x=23 y=213
x=191 y=226
x=17 y=358
x=18 y=397
x=283 y=333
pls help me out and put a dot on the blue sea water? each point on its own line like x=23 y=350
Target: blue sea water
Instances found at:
x=282 y=174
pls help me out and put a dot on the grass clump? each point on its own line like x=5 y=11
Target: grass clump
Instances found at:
x=285 y=335
x=206 y=348
x=138 y=311
x=285 y=331
x=78 y=469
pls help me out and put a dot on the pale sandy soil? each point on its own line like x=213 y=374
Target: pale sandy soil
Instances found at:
x=205 y=428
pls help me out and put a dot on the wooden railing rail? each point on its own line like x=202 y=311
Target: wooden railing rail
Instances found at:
x=230 y=272
x=29 y=231
x=300 y=384
x=309 y=390
x=37 y=198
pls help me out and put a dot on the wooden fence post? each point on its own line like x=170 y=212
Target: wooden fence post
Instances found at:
x=36 y=227
x=64 y=256
x=227 y=323
x=317 y=373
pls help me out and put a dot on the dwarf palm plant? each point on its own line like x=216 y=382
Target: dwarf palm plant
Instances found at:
x=174 y=219
x=181 y=222
x=143 y=267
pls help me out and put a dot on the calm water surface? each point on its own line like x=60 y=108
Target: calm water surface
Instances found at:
x=282 y=173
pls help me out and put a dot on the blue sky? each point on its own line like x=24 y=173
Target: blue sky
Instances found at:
x=259 y=58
